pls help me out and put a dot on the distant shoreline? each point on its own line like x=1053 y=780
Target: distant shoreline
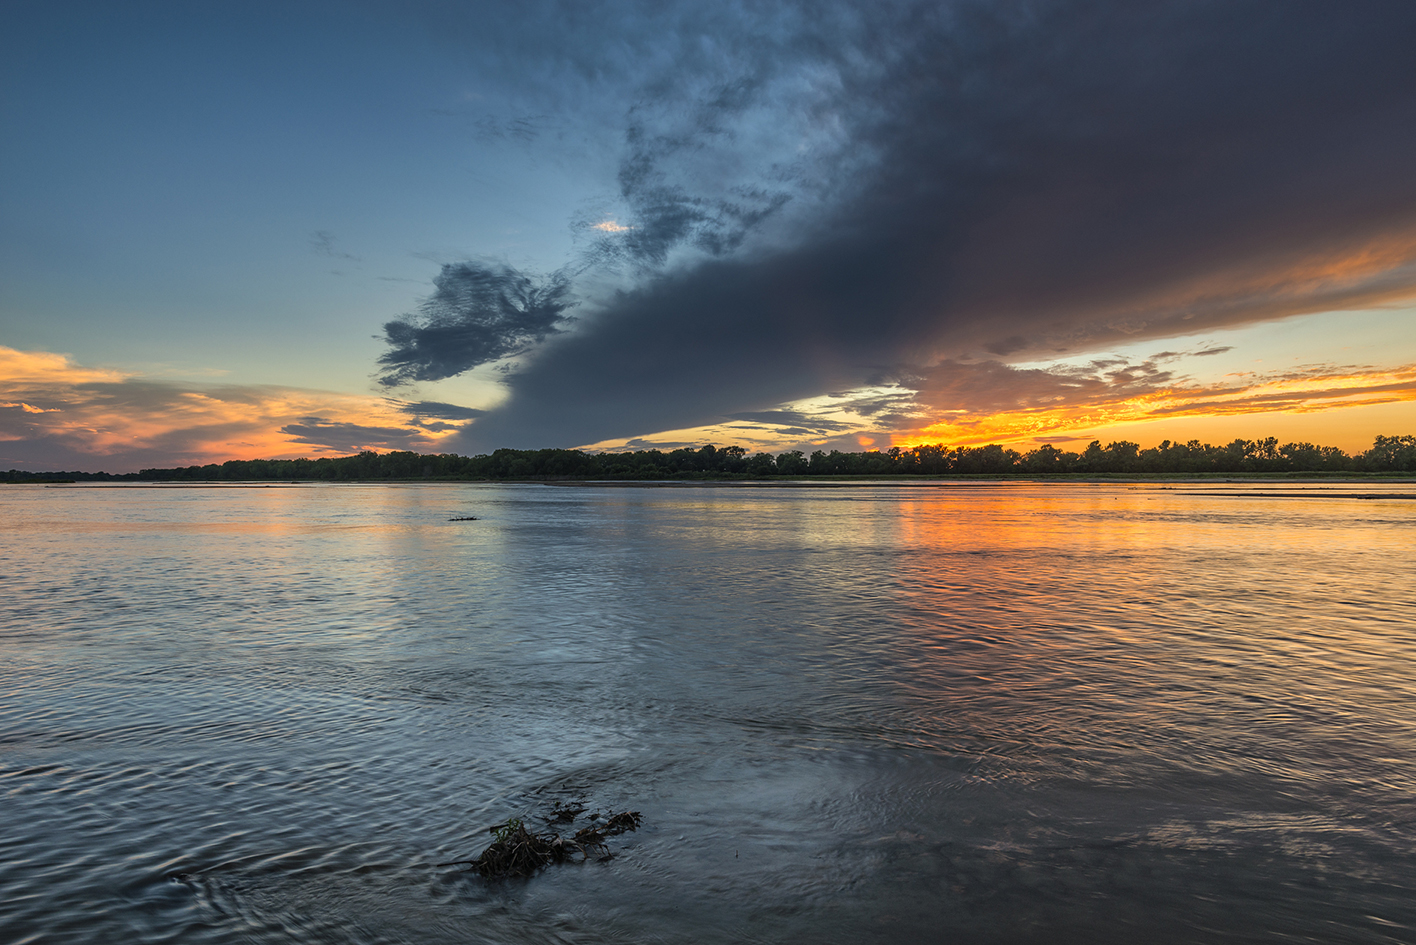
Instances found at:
x=1120 y=459
x=903 y=481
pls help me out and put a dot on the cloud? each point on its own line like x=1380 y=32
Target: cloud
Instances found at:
x=37 y=370
x=817 y=196
x=479 y=312
x=990 y=402
x=59 y=415
x=991 y=387
x=667 y=214
x=432 y=408
x=345 y=437
x=522 y=128
x=968 y=403
x=322 y=242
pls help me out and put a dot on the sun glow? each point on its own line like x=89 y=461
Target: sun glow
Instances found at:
x=1294 y=394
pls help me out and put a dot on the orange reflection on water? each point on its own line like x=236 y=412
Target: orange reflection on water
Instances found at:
x=1208 y=626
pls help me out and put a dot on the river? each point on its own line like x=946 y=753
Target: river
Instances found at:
x=948 y=712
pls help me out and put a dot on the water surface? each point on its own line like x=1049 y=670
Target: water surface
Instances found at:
x=966 y=713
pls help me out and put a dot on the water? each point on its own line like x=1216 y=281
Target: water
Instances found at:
x=955 y=713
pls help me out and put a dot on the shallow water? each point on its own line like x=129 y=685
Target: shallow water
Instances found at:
x=956 y=713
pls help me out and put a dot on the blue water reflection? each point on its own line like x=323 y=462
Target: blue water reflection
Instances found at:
x=969 y=712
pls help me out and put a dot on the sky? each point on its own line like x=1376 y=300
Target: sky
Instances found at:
x=241 y=230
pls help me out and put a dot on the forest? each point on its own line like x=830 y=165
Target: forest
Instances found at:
x=1388 y=454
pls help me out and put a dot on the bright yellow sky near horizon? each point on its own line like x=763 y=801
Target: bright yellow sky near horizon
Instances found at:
x=1332 y=378
x=1335 y=379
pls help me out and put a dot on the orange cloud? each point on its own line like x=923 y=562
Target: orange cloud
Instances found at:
x=37 y=369
x=56 y=414
x=972 y=403
x=1047 y=403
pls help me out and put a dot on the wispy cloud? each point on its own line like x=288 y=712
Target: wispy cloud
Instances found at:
x=323 y=242
x=344 y=437
x=431 y=408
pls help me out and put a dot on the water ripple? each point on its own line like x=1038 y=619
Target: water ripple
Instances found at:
x=1012 y=712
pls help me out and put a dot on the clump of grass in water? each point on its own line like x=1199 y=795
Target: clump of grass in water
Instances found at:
x=516 y=851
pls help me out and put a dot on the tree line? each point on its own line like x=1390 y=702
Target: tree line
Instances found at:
x=1122 y=457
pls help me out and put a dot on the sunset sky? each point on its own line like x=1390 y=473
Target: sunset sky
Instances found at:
x=239 y=230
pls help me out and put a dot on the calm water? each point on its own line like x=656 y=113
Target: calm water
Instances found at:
x=962 y=713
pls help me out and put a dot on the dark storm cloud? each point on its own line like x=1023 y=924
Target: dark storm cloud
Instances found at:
x=1013 y=179
x=479 y=312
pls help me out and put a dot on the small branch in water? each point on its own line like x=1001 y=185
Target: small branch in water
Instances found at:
x=463 y=518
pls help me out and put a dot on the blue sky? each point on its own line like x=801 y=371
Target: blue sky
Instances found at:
x=189 y=183
x=782 y=226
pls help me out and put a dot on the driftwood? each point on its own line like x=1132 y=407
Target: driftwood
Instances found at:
x=517 y=851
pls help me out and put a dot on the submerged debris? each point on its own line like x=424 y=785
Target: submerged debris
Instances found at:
x=564 y=814
x=619 y=823
x=517 y=851
x=463 y=518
